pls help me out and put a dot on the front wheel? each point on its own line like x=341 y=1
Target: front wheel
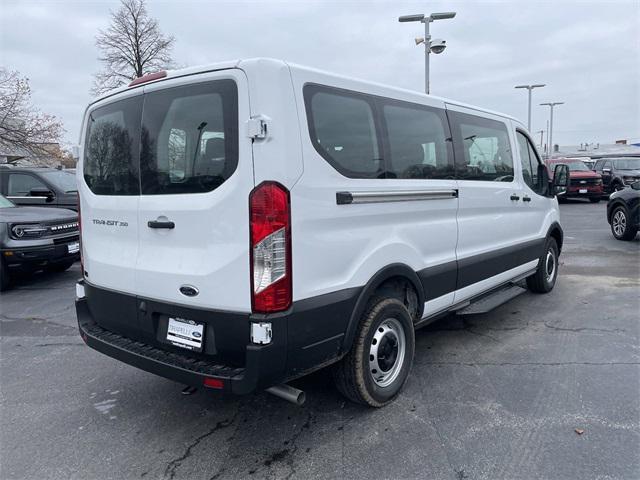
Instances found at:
x=378 y=364
x=4 y=276
x=620 y=225
x=544 y=279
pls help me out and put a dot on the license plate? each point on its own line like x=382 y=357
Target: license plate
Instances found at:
x=73 y=247
x=185 y=333
x=583 y=190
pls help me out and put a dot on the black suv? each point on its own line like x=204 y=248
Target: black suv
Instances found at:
x=36 y=186
x=618 y=172
x=36 y=238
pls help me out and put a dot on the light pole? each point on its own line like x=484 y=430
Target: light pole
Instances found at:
x=541 y=132
x=550 y=135
x=530 y=87
x=436 y=46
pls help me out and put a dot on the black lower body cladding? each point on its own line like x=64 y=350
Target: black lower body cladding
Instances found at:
x=133 y=329
x=313 y=333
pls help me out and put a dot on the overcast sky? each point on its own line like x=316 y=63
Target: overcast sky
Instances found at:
x=588 y=53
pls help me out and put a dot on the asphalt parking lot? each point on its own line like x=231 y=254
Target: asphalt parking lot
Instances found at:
x=495 y=396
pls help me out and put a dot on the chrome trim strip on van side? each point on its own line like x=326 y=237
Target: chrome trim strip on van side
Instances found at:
x=347 y=198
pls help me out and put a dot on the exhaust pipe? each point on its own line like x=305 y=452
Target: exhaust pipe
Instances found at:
x=288 y=393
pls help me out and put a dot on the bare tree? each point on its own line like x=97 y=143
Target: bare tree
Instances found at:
x=132 y=46
x=24 y=130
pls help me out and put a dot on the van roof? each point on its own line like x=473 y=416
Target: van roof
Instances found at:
x=265 y=62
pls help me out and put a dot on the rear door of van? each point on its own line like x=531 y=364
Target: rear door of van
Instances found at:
x=109 y=186
x=167 y=175
x=196 y=172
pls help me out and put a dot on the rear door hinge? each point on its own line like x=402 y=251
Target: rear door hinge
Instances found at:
x=257 y=127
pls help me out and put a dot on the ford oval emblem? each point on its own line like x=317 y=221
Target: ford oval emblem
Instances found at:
x=196 y=334
x=189 y=290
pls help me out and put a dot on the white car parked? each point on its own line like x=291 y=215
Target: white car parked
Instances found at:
x=246 y=223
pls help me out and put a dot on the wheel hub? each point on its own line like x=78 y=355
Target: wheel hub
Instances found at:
x=619 y=223
x=386 y=352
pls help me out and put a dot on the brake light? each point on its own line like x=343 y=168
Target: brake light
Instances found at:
x=270 y=248
x=80 y=235
x=213 y=383
x=149 y=77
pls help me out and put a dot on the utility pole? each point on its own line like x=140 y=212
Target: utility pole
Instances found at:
x=529 y=88
x=550 y=135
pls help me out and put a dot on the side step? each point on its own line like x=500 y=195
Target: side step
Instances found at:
x=492 y=300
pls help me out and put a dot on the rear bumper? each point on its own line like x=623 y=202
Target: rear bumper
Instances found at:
x=168 y=364
x=243 y=367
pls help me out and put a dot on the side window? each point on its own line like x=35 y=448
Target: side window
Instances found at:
x=418 y=142
x=343 y=131
x=189 y=141
x=607 y=164
x=20 y=184
x=484 y=151
x=598 y=165
x=111 y=149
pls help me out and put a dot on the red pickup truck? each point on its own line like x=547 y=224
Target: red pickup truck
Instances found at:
x=584 y=183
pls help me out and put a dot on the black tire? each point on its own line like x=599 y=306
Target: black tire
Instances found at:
x=379 y=328
x=545 y=277
x=594 y=199
x=620 y=226
x=4 y=276
x=58 y=267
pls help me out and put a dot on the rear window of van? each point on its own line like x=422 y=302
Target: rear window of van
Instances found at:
x=171 y=141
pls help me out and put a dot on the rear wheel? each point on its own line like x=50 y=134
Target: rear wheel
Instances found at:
x=594 y=199
x=544 y=279
x=378 y=365
x=620 y=225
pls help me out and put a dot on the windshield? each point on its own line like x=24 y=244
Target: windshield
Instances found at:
x=627 y=163
x=62 y=180
x=5 y=203
x=578 y=167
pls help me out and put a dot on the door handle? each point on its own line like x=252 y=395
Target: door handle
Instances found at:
x=160 y=224
x=526 y=199
x=514 y=197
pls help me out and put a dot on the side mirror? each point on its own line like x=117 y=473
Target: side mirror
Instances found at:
x=42 y=192
x=560 y=179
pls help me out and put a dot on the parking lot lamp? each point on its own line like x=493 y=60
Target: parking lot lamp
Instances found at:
x=550 y=134
x=436 y=46
x=529 y=88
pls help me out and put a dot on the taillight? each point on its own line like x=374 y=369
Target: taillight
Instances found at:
x=80 y=235
x=270 y=249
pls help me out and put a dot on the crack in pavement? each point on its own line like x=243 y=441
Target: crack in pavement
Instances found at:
x=35 y=319
x=172 y=466
x=585 y=329
x=500 y=364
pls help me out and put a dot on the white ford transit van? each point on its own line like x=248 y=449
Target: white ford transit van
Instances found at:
x=249 y=222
